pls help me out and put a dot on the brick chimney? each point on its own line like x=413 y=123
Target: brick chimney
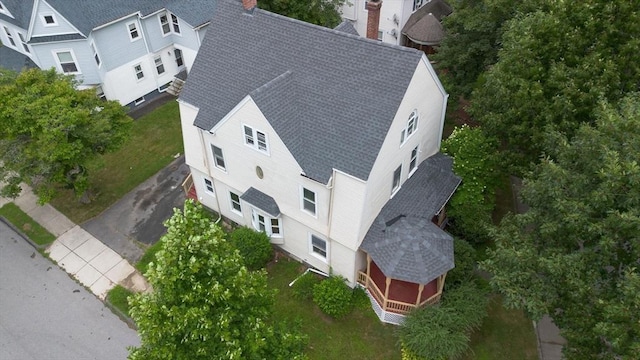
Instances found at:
x=373 y=20
x=249 y=4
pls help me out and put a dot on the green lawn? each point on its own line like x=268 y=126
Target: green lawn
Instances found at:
x=155 y=139
x=26 y=224
x=359 y=335
x=118 y=297
x=149 y=256
x=504 y=335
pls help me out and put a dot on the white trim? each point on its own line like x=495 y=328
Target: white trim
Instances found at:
x=404 y=134
x=350 y=176
x=415 y=168
x=139 y=100
x=326 y=248
x=394 y=190
x=213 y=156
x=55 y=53
x=315 y=202
x=137 y=29
x=135 y=72
x=255 y=138
x=206 y=186
x=137 y=14
x=174 y=24
x=166 y=14
x=23 y=40
x=434 y=75
x=160 y=65
x=4 y=10
x=9 y=35
x=95 y=53
x=267 y=219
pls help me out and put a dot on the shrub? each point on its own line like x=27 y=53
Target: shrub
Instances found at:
x=465 y=256
x=303 y=287
x=255 y=247
x=443 y=331
x=361 y=299
x=476 y=162
x=333 y=296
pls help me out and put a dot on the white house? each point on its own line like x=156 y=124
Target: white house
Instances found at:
x=128 y=51
x=328 y=142
x=413 y=23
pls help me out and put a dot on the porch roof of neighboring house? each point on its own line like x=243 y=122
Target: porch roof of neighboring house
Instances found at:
x=402 y=240
x=87 y=15
x=424 y=26
x=20 y=10
x=13 y=60
x=329 y=95
x=262 y=201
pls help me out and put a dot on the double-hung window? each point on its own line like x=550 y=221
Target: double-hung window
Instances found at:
x=218 y=157
x=164 y=24
x=134 y=34
x=413 y=162
x=256 y=139
x=67 y=62
x=175 y=23
x=235 y=202
x=396 y=180
x=139 y=73
x=9 y=36
x=270 y=226
x=309 y=201
x=208 y=186
x=159 y=65
x=318 y=246
x=24 y=43
x=96 y=57
x=178 y=54
x=412 y=125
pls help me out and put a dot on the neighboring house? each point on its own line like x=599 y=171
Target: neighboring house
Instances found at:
x=329 y=143
x=128 y=50
x=413 y=23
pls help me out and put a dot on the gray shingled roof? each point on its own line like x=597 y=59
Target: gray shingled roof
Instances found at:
x=329 y=95
x=87 y=15
x=402 y=240
x=21 y=11
x=13 y=60
x=347 y=27
x=262 y=201
x=424 y=26
x=55 y=38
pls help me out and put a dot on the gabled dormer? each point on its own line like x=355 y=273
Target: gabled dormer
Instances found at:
x=46 y=21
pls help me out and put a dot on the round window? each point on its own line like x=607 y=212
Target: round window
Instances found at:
x=259 y=172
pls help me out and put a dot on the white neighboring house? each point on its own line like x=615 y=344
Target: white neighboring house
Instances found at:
x=329 y=143
x=128 y=51
x=413 y=23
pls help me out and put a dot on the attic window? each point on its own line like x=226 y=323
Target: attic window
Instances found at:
x=256 y=139
x=412 y=125
x=49 y=20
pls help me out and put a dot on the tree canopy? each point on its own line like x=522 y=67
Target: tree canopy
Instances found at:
x=205 y=304
x=576 y=253
x=320 y=12
x=554 y=66
x=49 y=131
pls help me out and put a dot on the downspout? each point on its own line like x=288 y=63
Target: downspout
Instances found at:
x=208 y=167
x=330 y=186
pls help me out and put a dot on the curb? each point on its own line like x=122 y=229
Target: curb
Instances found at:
x=23 y=235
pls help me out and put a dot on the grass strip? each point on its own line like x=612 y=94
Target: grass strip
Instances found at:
x=26 y=224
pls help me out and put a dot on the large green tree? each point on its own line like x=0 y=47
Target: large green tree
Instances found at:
x=576 y=253
x=49 y=131
x=553 y=68
x=473 y=38
x=320 y=12
x=205 y=304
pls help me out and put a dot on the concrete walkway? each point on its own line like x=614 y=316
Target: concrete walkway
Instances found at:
x=79 y=253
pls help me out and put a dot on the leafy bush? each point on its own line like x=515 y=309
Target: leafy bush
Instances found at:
x=443 y=331
x=255 y=247
x=465 y=256
x=303 y=287
x=333 y=296
x=361 y=299
x=476 y=162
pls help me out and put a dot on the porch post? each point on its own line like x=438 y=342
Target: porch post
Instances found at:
x=368 y=271
x=420 y=288
x=441 y=282
x=386 y=292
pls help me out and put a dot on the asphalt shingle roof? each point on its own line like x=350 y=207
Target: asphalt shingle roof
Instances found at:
x=20 y=10
x=55 y=38
x=331 y=96
x=424 y=26
x=262 y=201
x=13 y=60
x=347 y=27
x=402 y=240
x=87 y=15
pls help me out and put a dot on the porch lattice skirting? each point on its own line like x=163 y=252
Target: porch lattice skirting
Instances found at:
x=385 y=316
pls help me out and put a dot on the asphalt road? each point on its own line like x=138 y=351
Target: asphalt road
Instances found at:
x=138 y=217
x=44 y=314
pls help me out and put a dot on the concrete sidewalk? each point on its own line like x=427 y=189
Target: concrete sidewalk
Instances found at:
x=79 y=253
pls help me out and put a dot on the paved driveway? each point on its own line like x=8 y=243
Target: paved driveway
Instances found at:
x=44 y=314
x=138 y=216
